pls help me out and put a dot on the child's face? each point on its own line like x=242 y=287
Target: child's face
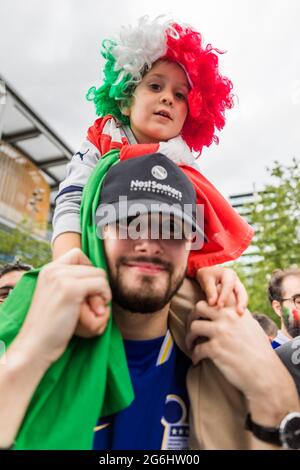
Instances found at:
x=164 y=89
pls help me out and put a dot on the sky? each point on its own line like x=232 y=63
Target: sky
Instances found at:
x=49 y=52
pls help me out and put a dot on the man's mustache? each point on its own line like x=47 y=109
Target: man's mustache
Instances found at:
x=146 y=259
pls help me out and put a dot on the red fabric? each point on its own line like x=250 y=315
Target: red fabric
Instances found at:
x=103 y=142
x=133 y=151
x=227 y=234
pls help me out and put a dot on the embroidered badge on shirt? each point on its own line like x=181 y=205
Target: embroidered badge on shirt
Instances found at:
x=176 y=431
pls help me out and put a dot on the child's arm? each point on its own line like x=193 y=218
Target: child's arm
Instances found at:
x=66 y=218
x=65 y=242
x=214 y=283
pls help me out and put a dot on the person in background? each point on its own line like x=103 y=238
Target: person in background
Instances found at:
x=10 y=274
x=284 y=296
x=267 y=324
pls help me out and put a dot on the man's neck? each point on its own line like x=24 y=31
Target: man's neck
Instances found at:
x=285 y=331
x=141 y=326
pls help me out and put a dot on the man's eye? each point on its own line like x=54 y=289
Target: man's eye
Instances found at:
x=297 y=300
x=124 y=223
x=172 y=229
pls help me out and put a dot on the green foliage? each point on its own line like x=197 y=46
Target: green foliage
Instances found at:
x=20 y=243
x=275 y=216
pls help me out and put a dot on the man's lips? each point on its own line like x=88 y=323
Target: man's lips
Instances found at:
x=149 y=268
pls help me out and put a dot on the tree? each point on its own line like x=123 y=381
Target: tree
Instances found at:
x=22 y=244
x=275 y=216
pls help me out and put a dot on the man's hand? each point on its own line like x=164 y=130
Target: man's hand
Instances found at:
x=63 y=291
x=234 y=343
x=94 y=316
x=240 y=349
x=221 y=285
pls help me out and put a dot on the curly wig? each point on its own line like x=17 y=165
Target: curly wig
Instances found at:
x=132 y=56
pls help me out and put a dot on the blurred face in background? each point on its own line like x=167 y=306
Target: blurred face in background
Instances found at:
x=289 y=306
x=8 y=282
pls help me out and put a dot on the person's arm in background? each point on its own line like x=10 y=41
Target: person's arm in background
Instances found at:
x=63 y=287
x=289 y=354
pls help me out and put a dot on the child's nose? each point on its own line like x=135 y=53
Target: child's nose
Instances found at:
x=167 y=98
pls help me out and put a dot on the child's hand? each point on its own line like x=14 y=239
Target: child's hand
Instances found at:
x=94 y=315
x=230 y=287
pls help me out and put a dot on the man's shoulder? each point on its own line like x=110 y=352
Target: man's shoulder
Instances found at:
x=289 y=353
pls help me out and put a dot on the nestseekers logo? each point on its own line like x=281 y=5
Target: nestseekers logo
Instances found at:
x=159 y=172
x=154 y=187
x=146 y=220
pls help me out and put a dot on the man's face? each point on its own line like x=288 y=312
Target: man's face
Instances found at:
x=290 y=309
x=8 y=282
x=144 y=273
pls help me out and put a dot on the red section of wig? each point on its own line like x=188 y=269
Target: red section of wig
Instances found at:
x=211 y=92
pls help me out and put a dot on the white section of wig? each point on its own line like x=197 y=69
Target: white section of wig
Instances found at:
x=140 y=46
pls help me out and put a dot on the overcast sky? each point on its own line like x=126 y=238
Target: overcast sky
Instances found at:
x=49 y=52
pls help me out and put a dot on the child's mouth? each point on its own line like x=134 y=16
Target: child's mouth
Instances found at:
x=164 y=114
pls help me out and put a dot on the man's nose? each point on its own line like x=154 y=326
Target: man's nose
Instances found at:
x=149 y=246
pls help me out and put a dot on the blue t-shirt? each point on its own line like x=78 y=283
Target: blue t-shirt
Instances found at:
x=158 y=416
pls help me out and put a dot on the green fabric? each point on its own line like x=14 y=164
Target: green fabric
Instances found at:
x=91 y=378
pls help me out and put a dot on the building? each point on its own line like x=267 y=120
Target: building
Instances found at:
x=33 y=160
x=240 y=202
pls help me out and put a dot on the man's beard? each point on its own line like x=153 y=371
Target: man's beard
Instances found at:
x=292 y=326
x=145 y=299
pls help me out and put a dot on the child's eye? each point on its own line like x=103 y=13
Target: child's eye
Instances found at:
x=155 y=86
x=180 y=96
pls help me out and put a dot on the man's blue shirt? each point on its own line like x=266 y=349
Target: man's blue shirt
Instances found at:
x=158 y=416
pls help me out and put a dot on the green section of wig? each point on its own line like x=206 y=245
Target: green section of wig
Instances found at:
x=116 y=90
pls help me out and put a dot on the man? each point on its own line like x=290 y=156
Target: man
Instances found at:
x=284 y=296
x=145 y=271
x=10 y=274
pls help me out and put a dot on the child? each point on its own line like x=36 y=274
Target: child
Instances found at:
x=162 y=92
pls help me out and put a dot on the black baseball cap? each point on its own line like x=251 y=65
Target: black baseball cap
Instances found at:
x=148 y=184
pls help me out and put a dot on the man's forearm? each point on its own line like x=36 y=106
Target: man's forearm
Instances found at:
x=20 y=375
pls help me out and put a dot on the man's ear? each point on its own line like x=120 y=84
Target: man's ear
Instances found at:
x=105 y=230
x=277 y=308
